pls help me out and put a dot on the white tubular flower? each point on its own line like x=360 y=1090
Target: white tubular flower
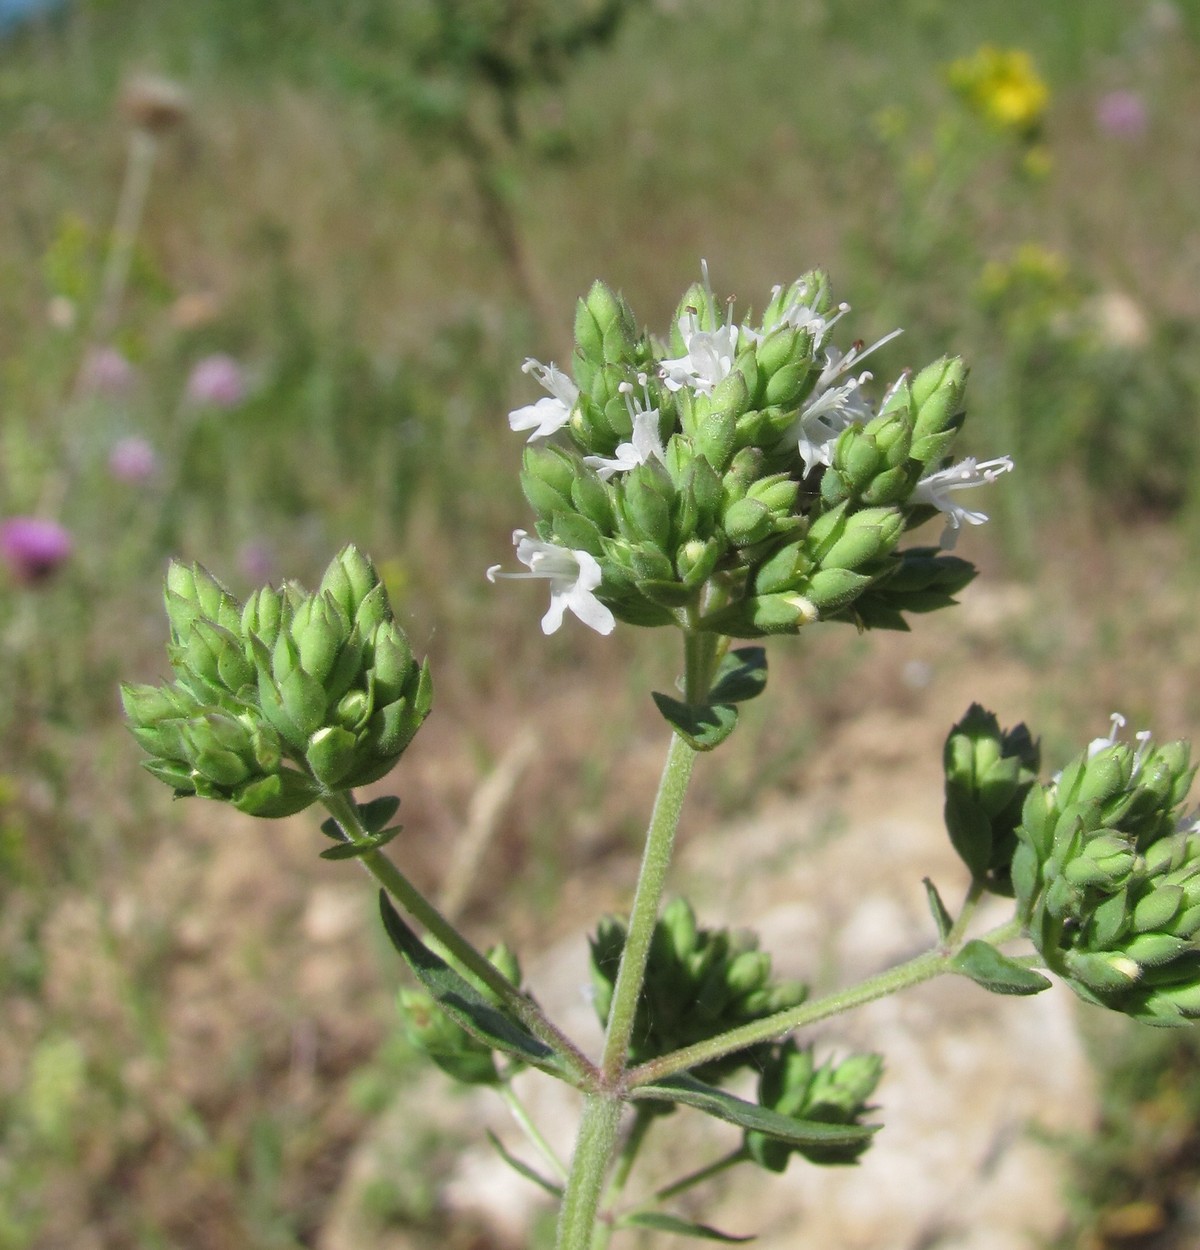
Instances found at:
x=708 y=357
x=553 y=411
x=573 y=576
x=937 y=488
x=645 y=443
x=834 y=403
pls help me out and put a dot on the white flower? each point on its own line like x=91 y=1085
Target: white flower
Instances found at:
x=833 y=403
x=573 y=576
x=708 y=357
x=553 y=411
x=937 y=487
x=645 y=443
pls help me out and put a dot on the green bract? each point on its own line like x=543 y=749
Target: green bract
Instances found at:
x=284 y=698
x=738 y=479
x=1107 y=879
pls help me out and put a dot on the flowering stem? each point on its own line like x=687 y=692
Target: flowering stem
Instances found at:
x=923 y=967
x=594 y=1147
x=598 y=1131
x=142 y=150
x=660 y=841
x=344 y=810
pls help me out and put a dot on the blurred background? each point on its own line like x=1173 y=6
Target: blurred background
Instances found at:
x=268 y=271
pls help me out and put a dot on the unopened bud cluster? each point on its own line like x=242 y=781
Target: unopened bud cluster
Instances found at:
x=699 y=982
x=989 y=771
x=284 y=698
x=447 y=1043
x=1107 y=879
x=834 y=1093
x=739 y=478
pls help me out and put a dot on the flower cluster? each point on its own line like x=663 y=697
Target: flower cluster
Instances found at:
x=284 y=698
x=1003 y=86
x=1107 y=878
x=699 y=982
x=740 y=478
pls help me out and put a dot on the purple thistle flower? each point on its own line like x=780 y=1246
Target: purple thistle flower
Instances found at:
x=106 y=372
x=132 y=460
x=32 y=547
x=1122 y=114
x=218 y=381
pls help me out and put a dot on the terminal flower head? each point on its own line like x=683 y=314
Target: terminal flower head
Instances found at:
x=33 y=547
x=1122 y=114
x=552 y=411
x=573 y=577
x=645 y=443
x=937 y=488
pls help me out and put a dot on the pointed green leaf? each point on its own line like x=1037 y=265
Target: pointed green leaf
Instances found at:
x=523 y=1169
x=742 y=676
x=985 y=966
x=941 y=917
x=375 y=814
x=701 y=726
x=459 y=999
x=716 y=1102
x=354 y=850
x=664 y=1223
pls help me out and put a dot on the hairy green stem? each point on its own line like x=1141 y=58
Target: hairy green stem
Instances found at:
x=923 y=967
x=344 y=810
x=660 y=842
x=594 y=1147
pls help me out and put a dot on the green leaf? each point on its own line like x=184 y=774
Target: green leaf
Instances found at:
x=985 y=966
x=523 y=1169
x=941 y=917
x=702 y=726
x=690 y=1092
x=459 y=999
x=332 y=830
x=742 y=676
x=353 y=850
x=375 y=814
x=664 y=1223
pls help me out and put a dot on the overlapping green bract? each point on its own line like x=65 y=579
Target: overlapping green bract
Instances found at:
x=834 y=1093
x=735 y=529
x=1107 y=879
x=699 y=982
x=284 y=698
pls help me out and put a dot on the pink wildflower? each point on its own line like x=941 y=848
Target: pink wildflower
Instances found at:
x=132 y=460
x=1122 y=114
x=106 y=372
x=218 y=381
x=33 y=548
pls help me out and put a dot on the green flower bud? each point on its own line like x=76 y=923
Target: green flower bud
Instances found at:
x=348 y=580
x=319 y=628
x=832 y=589
x=264 y=615
x=747 y=521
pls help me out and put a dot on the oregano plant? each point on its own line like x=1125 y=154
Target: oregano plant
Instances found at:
x=734 y=481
